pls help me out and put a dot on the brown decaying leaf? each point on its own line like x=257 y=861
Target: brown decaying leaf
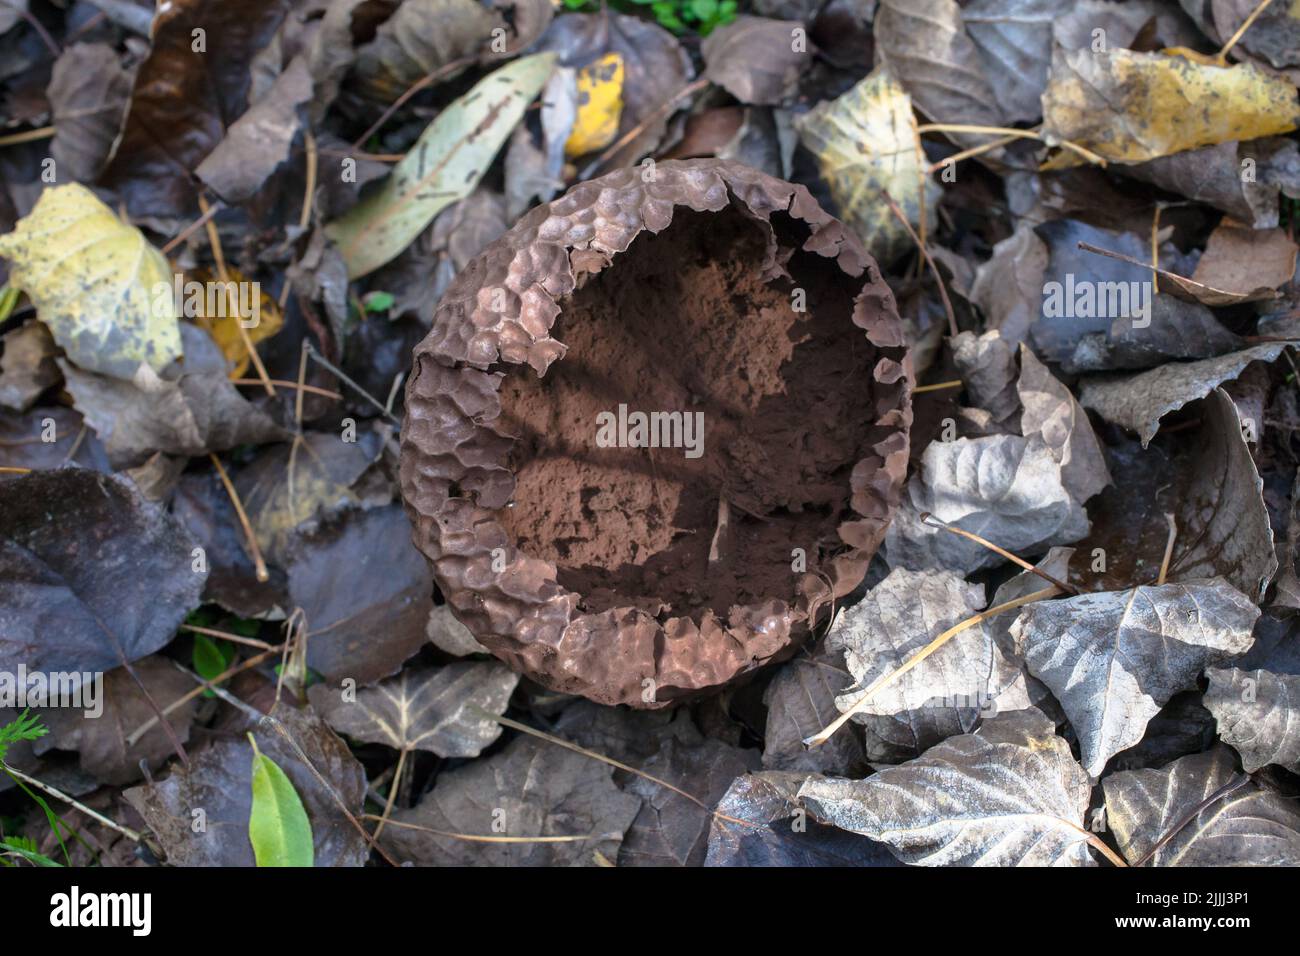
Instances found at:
x=183 y=98
x=218 y=781
x=366 y=593
x=88 y=94
x=420 y=37
x=656 y=69
x=948 y=692
x=757 y=60
x=768 y=802
x=529 y=790
x=27 y=366
x=925 y=45
x=92 y=576
x=801 y=701
x=101 y=740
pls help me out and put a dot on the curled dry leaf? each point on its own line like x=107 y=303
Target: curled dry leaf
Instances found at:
x=258 y=142
x=196 y=412
x=433 y=709
x=1258 y=713
x=757 y=60
x=88 y=93
x=1005 y=488
x=1131 y=107
x=27 y=366
x=987 y=364
x=444 y=165
x=530 y=789
x=186 y=91
x=1050 y=411
x=1138 y=402
x=48 y=437
x=95 y=282
x=219 y=779
x=421 y=37
x=1008 y=288
x=866 y=147
x=1241 y=264
x=778 y=832
x=1114 y=658
x=1246 y=827
x=924 y=43
x=948 y=692
x=1009 y=795
x=92 y=576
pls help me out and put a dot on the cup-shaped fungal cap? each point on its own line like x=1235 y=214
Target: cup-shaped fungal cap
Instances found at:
x=656 y=429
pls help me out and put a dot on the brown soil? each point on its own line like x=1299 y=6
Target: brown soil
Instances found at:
x=683 y=321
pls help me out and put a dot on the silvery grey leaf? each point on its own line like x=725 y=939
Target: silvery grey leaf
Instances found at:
x=1258 y=713
x=1050 y=411
x=436 y=709
x=1245 y=827
x=1004 y=488
x=1010 y=794
x=1113 y=658
x=780 y=832
x=1138 y=402
x=1008 y=288
x=1055 y=563
x=987 y=364
x=948 y=692
x=1014 y=38
x=449 y=635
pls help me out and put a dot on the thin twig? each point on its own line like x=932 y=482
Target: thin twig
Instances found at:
x=227 y=636
x=329 y=366
x=1169 y=549
x=284 y=383
x=955 y=383
x=663 y=109
x=476 y=838
x=193 y=227
x=934 y=270
x=259 y=565
x=60 y=795
x=134 y=737
x=1222 y=56
x=423 y=83
x=932 y=521
x=27 y=136
x=1232 y=786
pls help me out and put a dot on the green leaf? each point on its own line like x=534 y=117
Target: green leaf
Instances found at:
x=23 y=727
x=379 y=301
x=211 y=658
x=277 y=826
x=26 y=848
x=443 y=166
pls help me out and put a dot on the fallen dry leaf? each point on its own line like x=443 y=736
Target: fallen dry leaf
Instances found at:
x=1113 y=658
x=1010 y=795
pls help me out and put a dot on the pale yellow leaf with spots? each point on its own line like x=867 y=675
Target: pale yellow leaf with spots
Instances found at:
x=600 y=106
x=866 y=145
x=102 y=290
x=1132 y=107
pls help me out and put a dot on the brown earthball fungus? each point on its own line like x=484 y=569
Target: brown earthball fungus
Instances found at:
x=761 y=333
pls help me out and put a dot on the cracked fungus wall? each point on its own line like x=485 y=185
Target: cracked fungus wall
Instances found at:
x=713 y=291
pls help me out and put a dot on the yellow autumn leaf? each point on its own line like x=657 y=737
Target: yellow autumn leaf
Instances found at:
x=102 y=290
x=224 y=327
x=866 y=145
x=600 y=106
x=1132 y=107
